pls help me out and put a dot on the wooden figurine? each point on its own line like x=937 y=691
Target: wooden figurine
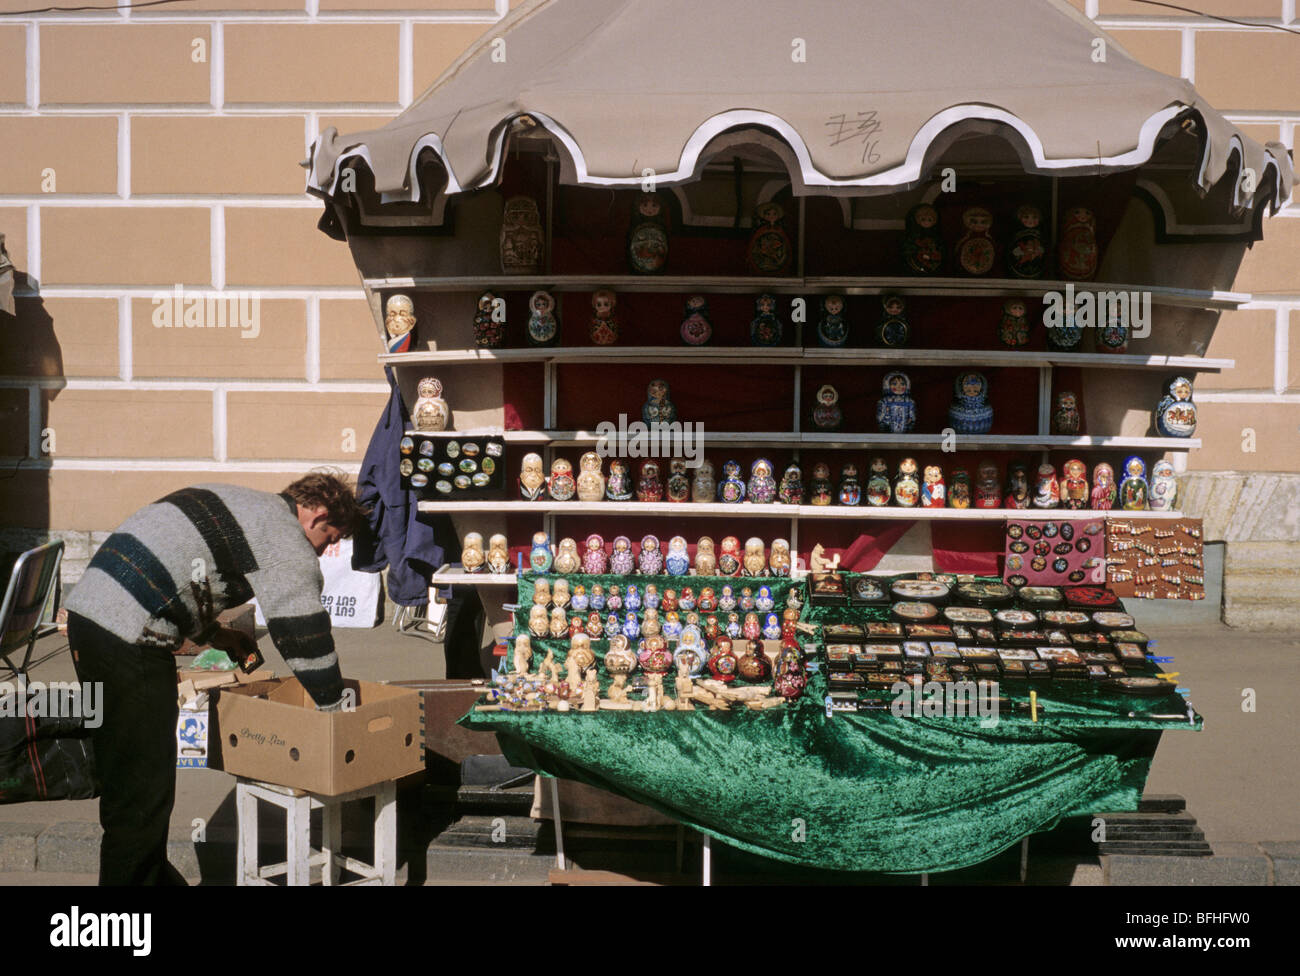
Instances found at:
x=818 y=563
x=1026 y=250
x=1047 y=490
x=1076 y=254
x=933 y=492
x=561 y=486
x=970 y=411
x=430 y=412
x=490 y=321
x=1017 y=486
x=896 y=410
x=647 y=238
x=591 y=482
x=678 y=486
x=988 y=486
x=579 y=659
x=567 y=560
x=826 y=412
x=590 y=692
x=769 y=251
x=879 y=490
x=618 y=487
x=832 y=330
x=766 y=328
x=532 y=482
x=849 y=491
x=975 y=250
x=523 y=656
x=1176 y=413
x=907 y=489
x=521 y=237
x=1133 y=490
x=1164 y=487
x=543 y=323
x=620 y=661
x=696 y=329
x=498 y=556
x=892 y=331
x=959 y=494
x=1074 y=487
x=603 y=327
x=923 y=240
x=399 y=323
x=762 y=483
x=471 y=554
x=706 y=562
x=1065 y=415
x=1013 y=330
x=658 y=406
x=703 y=486
x=819 y=490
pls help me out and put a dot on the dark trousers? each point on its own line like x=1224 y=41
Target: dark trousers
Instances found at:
x=135 y=752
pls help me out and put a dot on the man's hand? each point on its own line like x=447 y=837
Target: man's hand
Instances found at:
x=235 y=643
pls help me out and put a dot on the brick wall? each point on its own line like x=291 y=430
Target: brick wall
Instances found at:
x=156 y=147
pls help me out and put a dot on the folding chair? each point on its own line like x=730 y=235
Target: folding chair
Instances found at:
x=31 y=588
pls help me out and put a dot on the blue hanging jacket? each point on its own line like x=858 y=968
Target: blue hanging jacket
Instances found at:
x=394 y=535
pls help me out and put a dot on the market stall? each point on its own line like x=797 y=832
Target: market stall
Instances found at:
x=834 y=282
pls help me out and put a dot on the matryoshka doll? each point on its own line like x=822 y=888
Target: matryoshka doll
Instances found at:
x=579 y=602
x=1176 y=413
x=762 y=484
x=959 y=493
x=849 y=491
x=1047 y=490
x=722 y=662
x=1074 y=487
x=430 y=412
x=1076 y=254
x=763 y=598
x=755 y=560
x=490 y=321
x=771 y=627
x=879 y=491
x=1113 y=334
x=399 y=323
x=597 y=601
x=591 y=482
x=471 y=554
x=540 y=556
x=621 y=562
x=819 y=490
x=542 y=592
x=975 y=250
x=1026 y=251
x=678 y=486
x=790 y=491
x=729 y=557
x=922 y=240
x=1013 y=330
x=603 y=327
x=731 y=489
x=753 y=666
x=769 y=251
x=632 y=601
x=651 y=626
x=649 y=488
x=826 y=412
x=892 y=331
x=1065 y=416
x=832 y=330
x=678 y=560
x=647 y=238
x=650 y=561
x=1164 y=487
x=1133 y=491
x=970 y=411
x=658 y=406
x=521 y=237
x=1017 y=486
x=560 y=594
x=1063 y=332
x=543 y=323
x=618 y=486
x=498 y=556
x=790 y=677
x=539 y=621
x=561 y=485
x=703 y=485
x=566 y=557
x=651 y=599
x=672 y=625
x=766 y=328
x=933 y=492
x=988 y=486
x=907 y=489
x=708 y=599
x=727 y=599
x=706 y=563
x=896 y=410
x=696 y=329
x=751 y=628
x=779 y=560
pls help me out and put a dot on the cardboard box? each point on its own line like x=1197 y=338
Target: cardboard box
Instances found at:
x=270 y=731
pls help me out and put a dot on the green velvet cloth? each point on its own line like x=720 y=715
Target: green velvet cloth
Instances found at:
x=865 y=791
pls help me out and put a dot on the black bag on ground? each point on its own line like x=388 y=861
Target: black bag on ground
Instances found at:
x=45 y=759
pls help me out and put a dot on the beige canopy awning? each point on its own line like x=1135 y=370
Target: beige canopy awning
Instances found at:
x=860 y=92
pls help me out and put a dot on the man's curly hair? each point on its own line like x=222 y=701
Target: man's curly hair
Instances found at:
x=330 y=489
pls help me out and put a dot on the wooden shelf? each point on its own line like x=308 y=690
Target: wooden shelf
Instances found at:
x=847 y=284
x=715 y=355
x=450 y=575
x=776 y=510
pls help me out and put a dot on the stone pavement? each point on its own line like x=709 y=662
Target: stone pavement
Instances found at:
x=1240 y=777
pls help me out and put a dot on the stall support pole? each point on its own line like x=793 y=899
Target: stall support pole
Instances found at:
x=925 y=879
x=1024 y=859
x=559 y=826
x=708 y=861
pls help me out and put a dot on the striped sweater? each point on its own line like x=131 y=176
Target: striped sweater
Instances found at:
x=167 y=572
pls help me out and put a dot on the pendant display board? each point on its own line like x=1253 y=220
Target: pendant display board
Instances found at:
x=1161 y=559
x=1049 y=553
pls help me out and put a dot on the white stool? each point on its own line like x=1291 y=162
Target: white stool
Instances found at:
x=298 y=805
